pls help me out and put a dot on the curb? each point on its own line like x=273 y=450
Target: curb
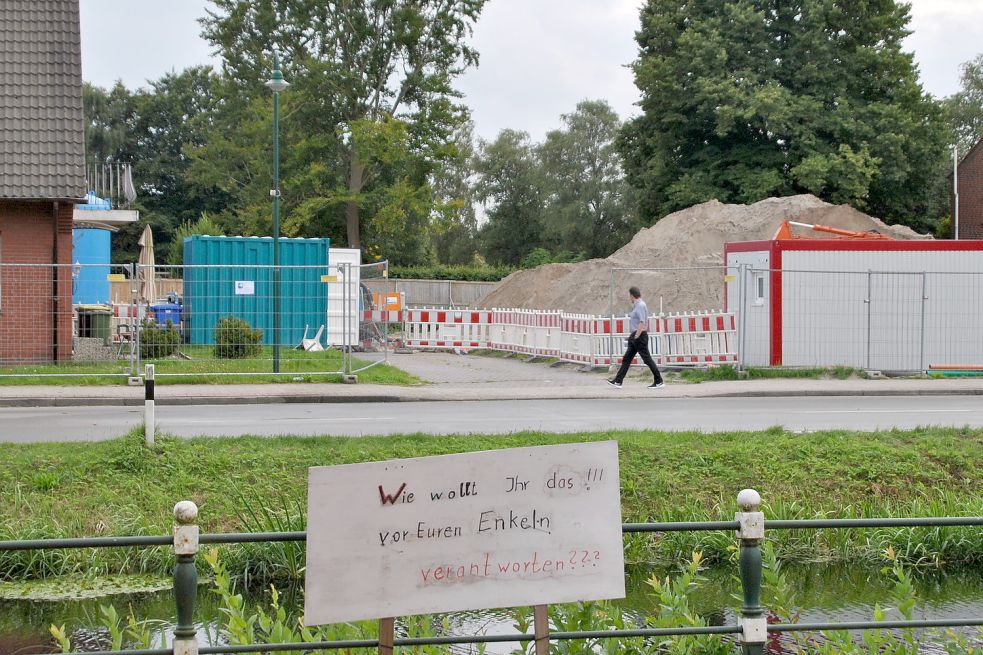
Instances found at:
x=293 y=398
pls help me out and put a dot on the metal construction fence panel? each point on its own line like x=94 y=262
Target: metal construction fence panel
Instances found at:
x=231 y=320
x=39 y=324
x=753 y=629
x=456 y=294
x=374 y=323
x=235 y=320
x=879 y=320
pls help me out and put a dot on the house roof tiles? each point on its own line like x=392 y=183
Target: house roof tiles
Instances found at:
x=42 y=133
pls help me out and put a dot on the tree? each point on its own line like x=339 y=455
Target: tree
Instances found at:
x=753 y=98
x=203 y=226
x=110 y=123
x=372 y=60
x=510 y=184
x=589 y=207
x=966 y=106
x=455 y=226
x=152 y=129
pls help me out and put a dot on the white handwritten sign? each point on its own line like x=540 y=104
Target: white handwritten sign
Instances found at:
x=503 y=528
x=245 y=288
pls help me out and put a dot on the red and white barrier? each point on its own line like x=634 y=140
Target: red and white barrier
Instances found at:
x=602 y=341
x=702 y=338
x=675 y=340
x=526 y=331
x=446 y=328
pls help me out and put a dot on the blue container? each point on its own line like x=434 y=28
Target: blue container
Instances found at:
x=167 y=311
x=90 y=276
x=233 y=276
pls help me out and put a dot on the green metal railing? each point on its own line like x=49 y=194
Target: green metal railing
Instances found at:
x=752 y=628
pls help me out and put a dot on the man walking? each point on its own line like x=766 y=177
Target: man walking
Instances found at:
x=638 y=342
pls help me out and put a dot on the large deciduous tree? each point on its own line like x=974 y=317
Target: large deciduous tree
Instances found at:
x=966 y=106
x=355 y=67
x=748 y=99
x=590 y=208
x=153 y=128
x=455 y=226
x=510 y=184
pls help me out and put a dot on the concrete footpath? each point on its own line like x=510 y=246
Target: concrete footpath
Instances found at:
x=463 y=378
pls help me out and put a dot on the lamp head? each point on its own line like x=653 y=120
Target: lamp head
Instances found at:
x=276 y=83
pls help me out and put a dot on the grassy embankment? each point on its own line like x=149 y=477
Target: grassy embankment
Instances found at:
x=199 y=362
x=250 y=484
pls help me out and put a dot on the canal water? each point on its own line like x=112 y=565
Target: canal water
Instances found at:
x=823 y=593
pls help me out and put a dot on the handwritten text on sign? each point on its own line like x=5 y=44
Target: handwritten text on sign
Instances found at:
x=503 y=528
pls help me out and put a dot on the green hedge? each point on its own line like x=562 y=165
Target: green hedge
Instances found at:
x=448 y=272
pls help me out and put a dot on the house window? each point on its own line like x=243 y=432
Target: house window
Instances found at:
x=759 y=289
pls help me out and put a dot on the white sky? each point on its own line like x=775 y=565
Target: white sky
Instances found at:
x=538 y=57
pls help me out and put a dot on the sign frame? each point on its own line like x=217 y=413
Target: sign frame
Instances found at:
x=481 y=530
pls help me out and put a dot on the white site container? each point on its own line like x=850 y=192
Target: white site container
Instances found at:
x=344 y=307
x=865 y=303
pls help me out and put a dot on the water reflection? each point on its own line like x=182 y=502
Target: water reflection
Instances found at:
x=823 y=593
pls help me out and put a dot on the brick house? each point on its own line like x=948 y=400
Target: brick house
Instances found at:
x=970 y=171
x=42 y=176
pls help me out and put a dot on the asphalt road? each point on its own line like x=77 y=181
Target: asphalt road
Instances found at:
x=497 y=417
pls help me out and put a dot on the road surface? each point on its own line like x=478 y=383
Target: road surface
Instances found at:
x=497 y=417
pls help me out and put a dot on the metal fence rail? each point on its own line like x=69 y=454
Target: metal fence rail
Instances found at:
x=102 y=320
x=752 y=628
x=808 y=316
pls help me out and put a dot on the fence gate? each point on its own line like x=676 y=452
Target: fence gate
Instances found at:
x=895 y=321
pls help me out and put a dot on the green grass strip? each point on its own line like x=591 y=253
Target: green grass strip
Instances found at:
x=119 y=487
x=198 y=365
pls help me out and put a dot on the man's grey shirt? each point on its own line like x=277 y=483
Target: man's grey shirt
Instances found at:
x=639 y=313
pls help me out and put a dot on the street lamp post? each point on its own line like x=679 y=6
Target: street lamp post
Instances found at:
x=277 y=85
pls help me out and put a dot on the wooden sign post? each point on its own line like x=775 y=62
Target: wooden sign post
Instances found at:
x=387 y=635
x=541 y=629
x=505 y=528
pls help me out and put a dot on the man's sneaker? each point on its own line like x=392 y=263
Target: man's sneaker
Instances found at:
x=657 y=385
x=616 y=385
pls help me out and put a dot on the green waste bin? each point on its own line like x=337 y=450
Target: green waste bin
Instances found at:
x=96 y=322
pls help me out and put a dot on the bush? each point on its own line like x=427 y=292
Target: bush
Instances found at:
x=540 y=256
x=234 y=339
x=451 y=272
x=157 y=341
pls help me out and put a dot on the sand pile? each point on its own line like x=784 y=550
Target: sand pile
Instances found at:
x=693 y=237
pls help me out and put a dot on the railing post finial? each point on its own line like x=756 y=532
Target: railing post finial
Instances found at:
x=185 y=576
x=754 y=623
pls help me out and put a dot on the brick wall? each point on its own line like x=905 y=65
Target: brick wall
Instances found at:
x=971 y=194
x=35 y=314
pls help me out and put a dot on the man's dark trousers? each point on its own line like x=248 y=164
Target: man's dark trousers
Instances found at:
x=639 y=346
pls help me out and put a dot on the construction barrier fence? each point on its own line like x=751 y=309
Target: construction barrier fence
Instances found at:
x=86 y=320
x=694 y=339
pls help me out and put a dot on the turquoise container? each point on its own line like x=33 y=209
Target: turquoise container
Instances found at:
x=91 y=250
x=233 y=276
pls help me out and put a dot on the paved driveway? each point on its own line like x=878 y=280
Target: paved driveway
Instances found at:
x=491 y=372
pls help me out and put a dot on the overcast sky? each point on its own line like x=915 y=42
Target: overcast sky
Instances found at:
x=538 y=57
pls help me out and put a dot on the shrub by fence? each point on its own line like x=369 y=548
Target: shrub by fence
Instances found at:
x=235 y=339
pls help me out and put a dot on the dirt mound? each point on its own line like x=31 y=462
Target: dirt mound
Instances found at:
x=688 y=239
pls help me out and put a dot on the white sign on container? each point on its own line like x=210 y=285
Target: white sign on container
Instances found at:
x=522 y=526
x=245 y=288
